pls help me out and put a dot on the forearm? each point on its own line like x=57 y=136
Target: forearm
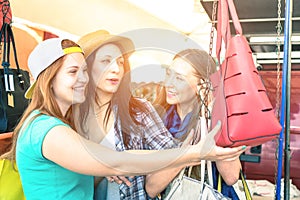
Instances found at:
x=138 y=162
x=86 y=157
x=229 y=170
x=158 y=181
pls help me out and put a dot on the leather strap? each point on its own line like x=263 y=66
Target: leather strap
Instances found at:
x=245 y=185
x=205 y=164
x=223 y=26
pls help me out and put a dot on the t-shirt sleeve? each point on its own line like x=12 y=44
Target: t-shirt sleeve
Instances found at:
x=39 y=128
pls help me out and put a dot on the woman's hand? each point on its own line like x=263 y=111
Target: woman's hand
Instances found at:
x=119 y=179
x=210 y=151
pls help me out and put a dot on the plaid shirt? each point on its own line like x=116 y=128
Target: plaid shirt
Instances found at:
x=154 y=136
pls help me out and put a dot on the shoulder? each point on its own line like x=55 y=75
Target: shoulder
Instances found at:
x=145 y=103
x=41 y=123
x=141 y=100
x=46 y=120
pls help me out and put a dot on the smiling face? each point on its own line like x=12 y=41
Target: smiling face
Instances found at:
x=70 y=81
x=181 y=83
x=107 y=69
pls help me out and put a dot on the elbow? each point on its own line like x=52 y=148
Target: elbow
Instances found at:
x=152 y=193
x=231 y=180
x=151 y=189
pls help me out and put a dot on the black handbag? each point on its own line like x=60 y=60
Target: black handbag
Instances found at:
x=13 y=84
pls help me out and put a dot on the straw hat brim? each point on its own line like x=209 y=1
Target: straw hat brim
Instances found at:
x=92 y=41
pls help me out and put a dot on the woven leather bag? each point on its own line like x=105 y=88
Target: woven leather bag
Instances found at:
x=241 y=101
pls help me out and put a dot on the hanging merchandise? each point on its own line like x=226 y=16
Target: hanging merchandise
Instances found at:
x=10 y=183
x=184 y=187
x=241 y=101
x=13 y=84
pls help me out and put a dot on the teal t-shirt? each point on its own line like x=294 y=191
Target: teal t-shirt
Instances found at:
x=42 y=178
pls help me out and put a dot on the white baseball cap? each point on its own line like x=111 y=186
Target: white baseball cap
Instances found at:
x=43 y=55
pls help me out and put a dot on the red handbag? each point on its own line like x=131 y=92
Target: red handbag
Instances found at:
x=241 y=102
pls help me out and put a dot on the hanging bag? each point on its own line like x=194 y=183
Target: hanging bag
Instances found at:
x=184 y=187
x=13 y=84
x=10 y=183
x=241 y=101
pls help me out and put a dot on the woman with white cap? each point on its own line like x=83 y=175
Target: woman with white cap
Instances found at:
x=53 y=160
x=113 y=117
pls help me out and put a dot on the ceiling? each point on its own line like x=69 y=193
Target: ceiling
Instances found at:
x=77 y=17
x=259 y=17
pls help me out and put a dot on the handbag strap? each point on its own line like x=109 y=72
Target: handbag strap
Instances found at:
x=8 y=39
x=245 y=185
x=205 y=164
x=12 y=40
x=223 y=26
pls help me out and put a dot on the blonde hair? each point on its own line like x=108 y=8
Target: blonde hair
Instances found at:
x=204 y=66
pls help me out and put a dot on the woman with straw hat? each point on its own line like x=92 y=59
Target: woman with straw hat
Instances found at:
x=121 y=121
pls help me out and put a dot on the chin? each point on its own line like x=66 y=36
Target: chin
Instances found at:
x=77 y=100
x=172 y=101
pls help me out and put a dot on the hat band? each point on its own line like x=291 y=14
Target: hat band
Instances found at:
x=72 y=50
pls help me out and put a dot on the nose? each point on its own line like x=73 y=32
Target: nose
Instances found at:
x=114 y=67
x=83 y=76
x=169 y=80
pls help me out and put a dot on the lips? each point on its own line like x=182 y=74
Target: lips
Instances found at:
x=114 y=81
x=79 y=88
x=171 y=94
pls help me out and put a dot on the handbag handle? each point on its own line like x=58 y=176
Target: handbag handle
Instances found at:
x=202 y=127
x=205 y=164
x=223 y=26
x=8 y=37
x=246 y=188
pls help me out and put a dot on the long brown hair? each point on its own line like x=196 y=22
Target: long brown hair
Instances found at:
x=43 y=99
x=204 y=65
x=127 y=105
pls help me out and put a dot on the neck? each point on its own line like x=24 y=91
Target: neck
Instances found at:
x=101 y=110
x=184 y=108
x=64 y=109
x=104 y=97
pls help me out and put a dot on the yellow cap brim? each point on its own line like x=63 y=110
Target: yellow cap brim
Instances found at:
x=28 y=93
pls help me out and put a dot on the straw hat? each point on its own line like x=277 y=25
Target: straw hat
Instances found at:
x=92 y=41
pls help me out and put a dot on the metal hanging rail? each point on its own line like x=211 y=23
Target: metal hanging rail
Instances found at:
x=285 y=107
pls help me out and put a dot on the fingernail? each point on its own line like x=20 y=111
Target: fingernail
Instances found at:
x=244 y=147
